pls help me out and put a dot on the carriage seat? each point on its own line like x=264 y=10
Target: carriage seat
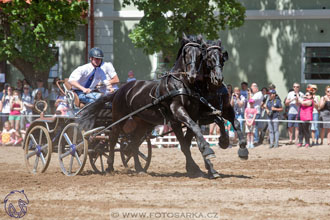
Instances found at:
x=76 y=100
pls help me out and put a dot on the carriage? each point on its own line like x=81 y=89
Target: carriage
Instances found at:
x=62 y=135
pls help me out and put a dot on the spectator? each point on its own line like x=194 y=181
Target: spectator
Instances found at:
x=54 y=93
x=257 y=96
x=27 y=100
x=5 y=102
x=61 y=105
x=250 y=116
x=291 y=102
x=19 y=86
x=273 y=108
x=16 y=106
x=315 y=126
x=130 y=76
x=325 y=114
x=230 y=131
x=26 y=82
x=230 y=90
x=8 y=135
x=305 y=115
x=39 y=104
x=244 y=90
x=238 y=103
x=40 y=87
x=264 y=116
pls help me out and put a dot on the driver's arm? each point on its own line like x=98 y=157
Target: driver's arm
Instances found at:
x=78 y=86
x=114 y=80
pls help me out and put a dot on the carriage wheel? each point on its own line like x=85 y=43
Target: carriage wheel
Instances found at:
x=144 y=156
x=72 y=150
x=98 y=156
x=37 y=149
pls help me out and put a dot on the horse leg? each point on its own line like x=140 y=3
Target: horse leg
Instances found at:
x=243 y=152
x=183 y=116
x=212 y=173
x=192 y=168
x=224 y=138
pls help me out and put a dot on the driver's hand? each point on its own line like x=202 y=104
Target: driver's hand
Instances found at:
x=87 y=90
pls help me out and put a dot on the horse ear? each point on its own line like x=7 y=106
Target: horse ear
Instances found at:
x=200 y=38
x=184 y=37
x=218 y=43
x=225 y=56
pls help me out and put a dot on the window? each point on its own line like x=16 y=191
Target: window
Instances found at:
x=315 y=63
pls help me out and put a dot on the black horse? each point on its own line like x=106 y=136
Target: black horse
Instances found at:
x=214 y=96
x=214 y=106
x=174 y=99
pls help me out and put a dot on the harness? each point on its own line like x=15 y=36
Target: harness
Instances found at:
x=158 y=99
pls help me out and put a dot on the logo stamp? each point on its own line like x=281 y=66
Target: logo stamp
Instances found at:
x=16 y=204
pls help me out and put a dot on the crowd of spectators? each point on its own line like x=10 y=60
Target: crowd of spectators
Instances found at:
x=18 y=108
x=307 y=114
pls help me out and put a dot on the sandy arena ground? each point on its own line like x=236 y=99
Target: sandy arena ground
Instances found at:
x=284 y=183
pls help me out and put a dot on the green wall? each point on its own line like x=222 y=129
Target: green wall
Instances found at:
x=126 y=56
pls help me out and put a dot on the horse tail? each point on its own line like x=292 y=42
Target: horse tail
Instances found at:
x=87 y=116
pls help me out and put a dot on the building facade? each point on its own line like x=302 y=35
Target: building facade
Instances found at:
x=281 y=42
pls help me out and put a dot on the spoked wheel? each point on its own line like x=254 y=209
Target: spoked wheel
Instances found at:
x=144 y=156
x=98 y=156
x=72 y=150
x=37 y=149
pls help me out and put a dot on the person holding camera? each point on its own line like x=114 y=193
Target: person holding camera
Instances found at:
x=273 y=109
x=5 y=103
x=292 y=102
x=238 y=102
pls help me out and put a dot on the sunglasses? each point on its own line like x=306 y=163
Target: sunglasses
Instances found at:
x=296 y=87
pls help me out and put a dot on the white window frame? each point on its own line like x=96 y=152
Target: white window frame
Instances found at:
x=303 y=61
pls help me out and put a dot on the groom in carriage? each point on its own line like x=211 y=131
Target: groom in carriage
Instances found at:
x=93 y=79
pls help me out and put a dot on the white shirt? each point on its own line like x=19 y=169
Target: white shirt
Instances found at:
x=104 y=73
x=258 y=98
x=293 y=108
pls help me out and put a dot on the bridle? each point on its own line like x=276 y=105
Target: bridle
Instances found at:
x=217 y=58
x=193 y=59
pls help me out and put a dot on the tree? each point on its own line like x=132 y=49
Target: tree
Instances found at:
x=164 y=21
x=28 y=30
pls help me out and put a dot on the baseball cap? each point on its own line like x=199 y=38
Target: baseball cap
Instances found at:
x=272 y=91
x=251 y=101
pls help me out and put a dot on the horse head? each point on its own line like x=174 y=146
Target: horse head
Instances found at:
x=214 y=58
x=191 y=56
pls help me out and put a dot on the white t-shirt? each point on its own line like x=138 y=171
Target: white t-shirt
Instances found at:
x=103 y=73
x=6 y=104
x=258 y=98
x=293 y=108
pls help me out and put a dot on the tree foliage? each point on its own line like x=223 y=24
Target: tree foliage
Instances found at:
x=28 y=30
x=164 y=21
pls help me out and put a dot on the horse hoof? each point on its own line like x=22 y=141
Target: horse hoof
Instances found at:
x=243 y=153
x=208 y=153
x=195 y=174
x=214 y=176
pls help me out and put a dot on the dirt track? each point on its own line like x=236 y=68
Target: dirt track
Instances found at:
x=284 y=183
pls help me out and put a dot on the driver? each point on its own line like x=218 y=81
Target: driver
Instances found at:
x=93 y=79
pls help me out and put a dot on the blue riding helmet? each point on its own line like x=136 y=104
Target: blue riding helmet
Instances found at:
x=96 y=53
